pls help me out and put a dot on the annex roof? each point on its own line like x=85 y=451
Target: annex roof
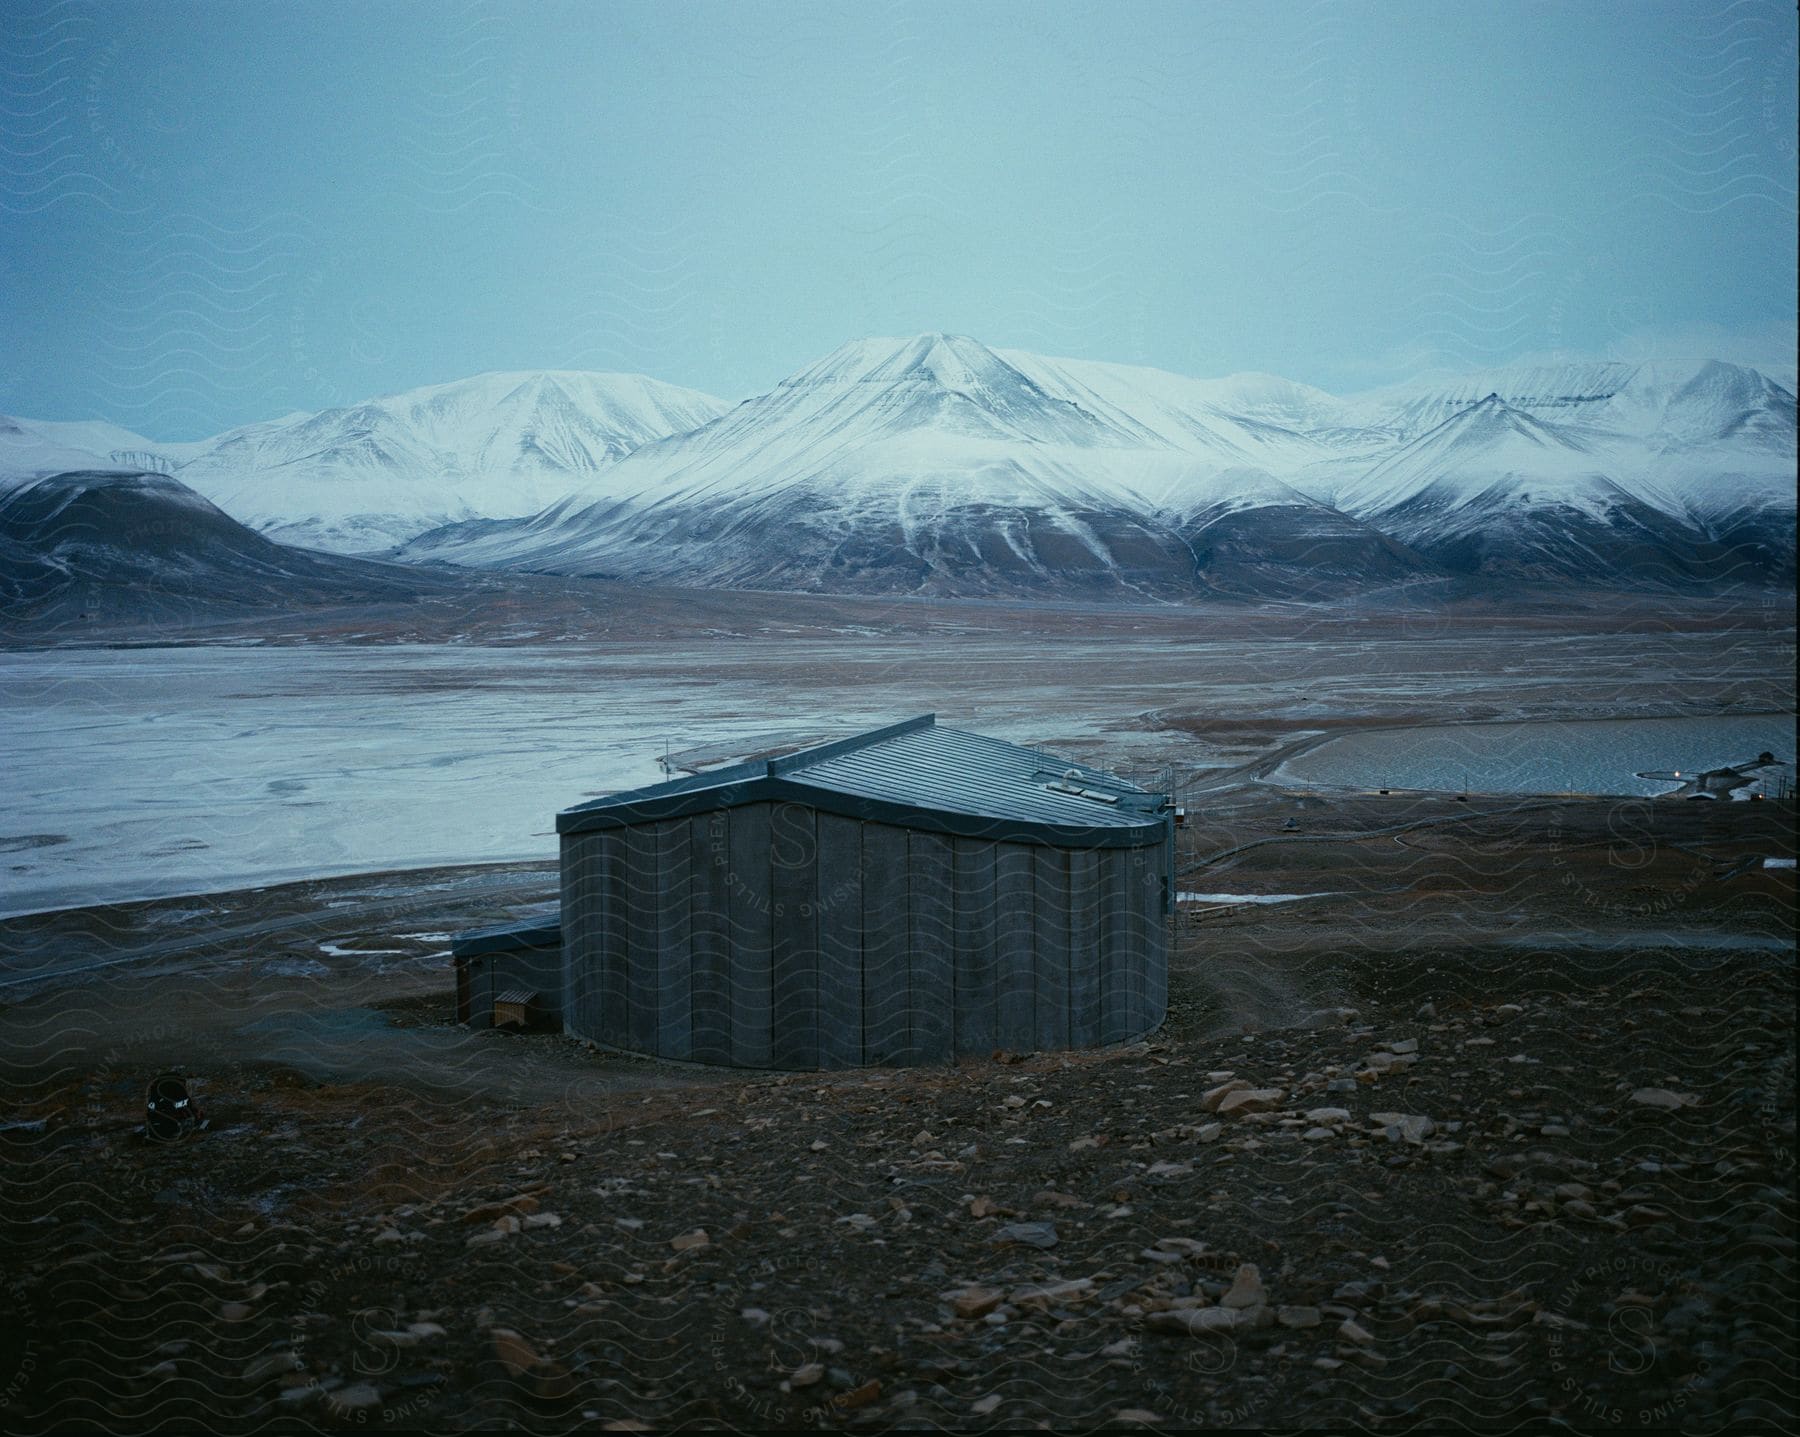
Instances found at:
x=540 y=927
x=915 y=775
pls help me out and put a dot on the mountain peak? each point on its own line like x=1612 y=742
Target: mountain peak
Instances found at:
x=1492 y=421
x=934 y=381
x=948 y=361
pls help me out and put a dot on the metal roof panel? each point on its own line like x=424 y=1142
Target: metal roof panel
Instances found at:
x=914 y=774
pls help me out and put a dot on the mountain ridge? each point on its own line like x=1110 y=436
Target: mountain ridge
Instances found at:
x=365 y=476
x=935 y=464
x=932 y=464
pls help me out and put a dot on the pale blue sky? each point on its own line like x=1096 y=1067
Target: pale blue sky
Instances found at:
x=214 y=213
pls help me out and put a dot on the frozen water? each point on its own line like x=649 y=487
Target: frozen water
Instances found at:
x=148 y=773
x=1601 y=756
x=1248 y=897
x=189 y=770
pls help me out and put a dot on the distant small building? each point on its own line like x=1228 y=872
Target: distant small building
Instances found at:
x=912 y=895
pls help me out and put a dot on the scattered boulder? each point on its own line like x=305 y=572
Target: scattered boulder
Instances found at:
x=1663 y=1098
x=1195 y=1321
x=1246 y=1289
x=354 y=1401
x=1051 y=1294
x=1413 y=1128
x=1030 y=1234
x=857 y=1396
x=519 y=1204
x=540 y=1377
x=972 y=1303
x=272 y=1364
x=1213 y=1097
x=1250 y=1100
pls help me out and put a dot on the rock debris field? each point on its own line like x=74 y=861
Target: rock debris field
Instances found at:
x=1423 y=1210
x=1377 y=1171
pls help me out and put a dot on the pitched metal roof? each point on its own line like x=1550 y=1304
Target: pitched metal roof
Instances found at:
x=541 y=927
x=916 y=775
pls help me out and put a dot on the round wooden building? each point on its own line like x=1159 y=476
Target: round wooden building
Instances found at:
x=911 y=895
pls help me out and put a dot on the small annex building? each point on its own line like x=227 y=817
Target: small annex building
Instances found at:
x=911 y=895
x=494 y=964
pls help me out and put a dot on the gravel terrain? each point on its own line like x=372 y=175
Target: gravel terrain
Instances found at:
x=1471 y=1145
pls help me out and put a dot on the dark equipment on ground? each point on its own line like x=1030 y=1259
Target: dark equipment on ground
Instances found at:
x=170 y=1113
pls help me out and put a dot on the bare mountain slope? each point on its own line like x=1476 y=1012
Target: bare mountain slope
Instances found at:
x=89 y=544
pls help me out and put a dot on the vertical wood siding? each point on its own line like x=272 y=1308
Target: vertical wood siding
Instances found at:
x=674 y=918
x=773 y=935
x=887 y=995
x=709 y=930
x=932 y=902
x=750 y=922
x=794 y=950
x=975 y=949
x=1084 y=947
x=1016 y=918
x=1050 y=875
x=840 y=927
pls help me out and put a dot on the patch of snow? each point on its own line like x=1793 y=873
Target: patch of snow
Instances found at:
x=294 y=968
x=1248 y=897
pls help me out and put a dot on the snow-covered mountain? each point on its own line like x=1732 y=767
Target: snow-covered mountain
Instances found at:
x=1573 y=393
x=1722 y=446
x=1663 y=473
x=1494 y=489
x=28 y=452
x=932 y=464
x=368 y=476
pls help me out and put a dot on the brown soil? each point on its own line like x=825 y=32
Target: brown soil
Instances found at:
x=1556 y=1247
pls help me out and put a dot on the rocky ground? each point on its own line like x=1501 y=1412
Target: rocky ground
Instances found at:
x=494 y=608
x=1503 y=1135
